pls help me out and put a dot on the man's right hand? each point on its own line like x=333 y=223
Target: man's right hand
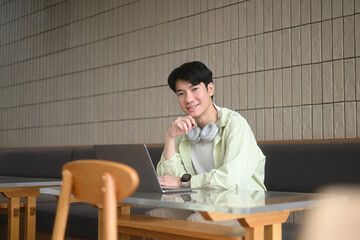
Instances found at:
x=181 y=126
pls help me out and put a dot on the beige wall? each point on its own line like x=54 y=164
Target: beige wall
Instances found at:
x=88 y=72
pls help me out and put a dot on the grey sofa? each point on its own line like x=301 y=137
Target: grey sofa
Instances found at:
x=47 y=163
x=298 y=166
x=294 y=166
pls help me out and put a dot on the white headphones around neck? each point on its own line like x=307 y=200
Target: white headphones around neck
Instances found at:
x=207 y=134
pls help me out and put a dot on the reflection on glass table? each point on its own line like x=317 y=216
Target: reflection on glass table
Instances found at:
x=260 y=212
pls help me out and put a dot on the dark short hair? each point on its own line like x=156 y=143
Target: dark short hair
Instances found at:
x=194 y=72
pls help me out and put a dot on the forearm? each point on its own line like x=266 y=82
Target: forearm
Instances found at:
x=172 y=164
x=169 y=148
x=179 y=127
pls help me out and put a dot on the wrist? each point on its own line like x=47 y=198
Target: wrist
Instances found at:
x=169 y=137
x=185 y=184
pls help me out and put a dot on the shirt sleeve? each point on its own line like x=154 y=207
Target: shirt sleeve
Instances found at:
x=172 y=166
x=242 y=156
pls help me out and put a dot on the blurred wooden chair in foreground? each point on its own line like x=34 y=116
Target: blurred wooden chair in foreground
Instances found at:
x=337 y=219
x=98 y=182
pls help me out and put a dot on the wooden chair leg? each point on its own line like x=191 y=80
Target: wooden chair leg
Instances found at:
x=122 y=209
x=62 y=211
x=110 y=225
x=100 y=223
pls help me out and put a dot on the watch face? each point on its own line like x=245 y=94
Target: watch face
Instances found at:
x=186 y=178
x=186 y=197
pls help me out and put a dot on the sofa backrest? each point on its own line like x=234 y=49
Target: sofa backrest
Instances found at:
x=303 y=167
x=306 y=167
x=46 y=163
x=295 y=167
x=84 y=153
x=155 y=152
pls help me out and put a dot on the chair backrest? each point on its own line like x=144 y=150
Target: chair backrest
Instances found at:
x=335 y=219
x=98 y=182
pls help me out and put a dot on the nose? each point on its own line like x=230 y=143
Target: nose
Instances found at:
x=189 y=97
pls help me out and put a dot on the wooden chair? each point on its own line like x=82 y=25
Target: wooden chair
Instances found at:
x=98 y=182
x=337 y=219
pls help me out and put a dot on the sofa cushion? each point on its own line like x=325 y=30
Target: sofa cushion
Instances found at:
x=82 y=221
x=46 y=163
x=308 y=167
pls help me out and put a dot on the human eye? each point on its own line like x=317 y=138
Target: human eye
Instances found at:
x=195 y=89
x=179 y=94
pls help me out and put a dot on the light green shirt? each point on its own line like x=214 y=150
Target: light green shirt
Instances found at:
x=239 y=162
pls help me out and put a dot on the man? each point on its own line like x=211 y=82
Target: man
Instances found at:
x=224 y=156
x=232 y=160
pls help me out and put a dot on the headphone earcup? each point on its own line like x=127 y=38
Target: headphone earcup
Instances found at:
x=194 y=135
x=208 y=133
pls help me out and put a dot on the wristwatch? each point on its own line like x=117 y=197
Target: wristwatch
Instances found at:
x=185 y=179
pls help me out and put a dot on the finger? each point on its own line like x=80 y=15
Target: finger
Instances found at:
x=193 y=122
x=189 y=124
x=161 y=180
x=185 y=127
x=180 y=126
x=177 y=121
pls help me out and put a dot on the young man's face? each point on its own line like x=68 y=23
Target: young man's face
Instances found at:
x=194 y=100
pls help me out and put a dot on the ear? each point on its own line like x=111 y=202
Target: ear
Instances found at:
x=211 y=88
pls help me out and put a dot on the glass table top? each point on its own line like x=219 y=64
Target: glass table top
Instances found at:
x=241 y=202
x=13 y=181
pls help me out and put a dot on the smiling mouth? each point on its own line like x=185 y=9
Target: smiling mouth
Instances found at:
x=193 y=107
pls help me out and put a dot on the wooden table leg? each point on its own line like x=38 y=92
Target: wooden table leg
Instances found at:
x=14 y=212
x=13 y=218
x=273 y=232
x=30 y=218
x=254 y=233
x=264 y=226
x=257 y=226
x=123 y=209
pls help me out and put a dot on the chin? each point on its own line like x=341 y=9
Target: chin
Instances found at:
x=193 y=114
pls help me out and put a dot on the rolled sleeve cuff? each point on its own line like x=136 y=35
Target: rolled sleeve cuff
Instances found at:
x=170 y=166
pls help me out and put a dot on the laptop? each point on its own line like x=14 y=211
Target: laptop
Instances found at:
x=137 y=156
